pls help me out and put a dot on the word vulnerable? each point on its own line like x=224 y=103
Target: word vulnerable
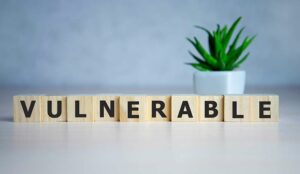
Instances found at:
x=136 y=108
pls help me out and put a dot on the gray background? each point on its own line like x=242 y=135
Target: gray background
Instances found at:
x=138 y=43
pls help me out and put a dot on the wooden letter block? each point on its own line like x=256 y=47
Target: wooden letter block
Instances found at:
x=54 y=108
x=211 y=108
x=237 y=108
x=133 y=108
x=184 y=108
x=106 y=108
x=264 y=108
x=251 y=108
x=27 y=108
x=80 y=108
x=159 y=108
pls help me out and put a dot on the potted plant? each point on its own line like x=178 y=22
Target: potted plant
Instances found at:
x=216 y=68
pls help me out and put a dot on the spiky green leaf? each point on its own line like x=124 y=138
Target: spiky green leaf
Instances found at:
x=220 y=57
x=197 y=58
x=209 y=59
x=199 y=66
x=211 y=44
x=233 y=45
x=223 y=32
x=236 y=65
x=236 y=54
x=230 y=32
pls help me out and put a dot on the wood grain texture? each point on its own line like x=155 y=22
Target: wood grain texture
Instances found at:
x=269 y=106
x=55 y=102
x=156 y=102
x=249 y=107
x=135 y=108
x=113 y=104
x=179 y=103
x=18 y=110
x=139 y=113
x=242 y=109
x=215 y=106
x=85 y=107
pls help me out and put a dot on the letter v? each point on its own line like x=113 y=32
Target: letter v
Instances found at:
x=27 y=112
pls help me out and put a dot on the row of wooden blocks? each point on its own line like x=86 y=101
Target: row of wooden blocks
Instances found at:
x=145 y=108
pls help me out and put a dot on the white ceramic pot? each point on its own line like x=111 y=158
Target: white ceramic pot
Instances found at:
x=219 y=82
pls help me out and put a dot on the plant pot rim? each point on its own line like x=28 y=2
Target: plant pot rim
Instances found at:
x=220 y=72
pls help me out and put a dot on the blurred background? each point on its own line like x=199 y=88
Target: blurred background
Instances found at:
x=137 y=44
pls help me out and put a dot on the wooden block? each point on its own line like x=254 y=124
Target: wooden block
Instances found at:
x=237 y=108
x=251 y=108
x=79 y=108
x=106 y=108
x=159 y=108
x=211 y=108
x=184 y=108
x=133 y=108
x=264 y=108
x=54 y=108
x=27 y=108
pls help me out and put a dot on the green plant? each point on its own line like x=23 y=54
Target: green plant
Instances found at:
x=220 y=57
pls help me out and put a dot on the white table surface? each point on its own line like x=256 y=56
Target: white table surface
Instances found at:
x=37 y=148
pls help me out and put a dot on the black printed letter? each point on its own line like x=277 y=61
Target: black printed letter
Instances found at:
x=158 y=109
x=234 y=111
x=131 y=108
x=263 y=107
x=110 y=111
x=77 y=112
x=29 y=111
x=49 y=106
x=185 y=109
x=210 y=106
